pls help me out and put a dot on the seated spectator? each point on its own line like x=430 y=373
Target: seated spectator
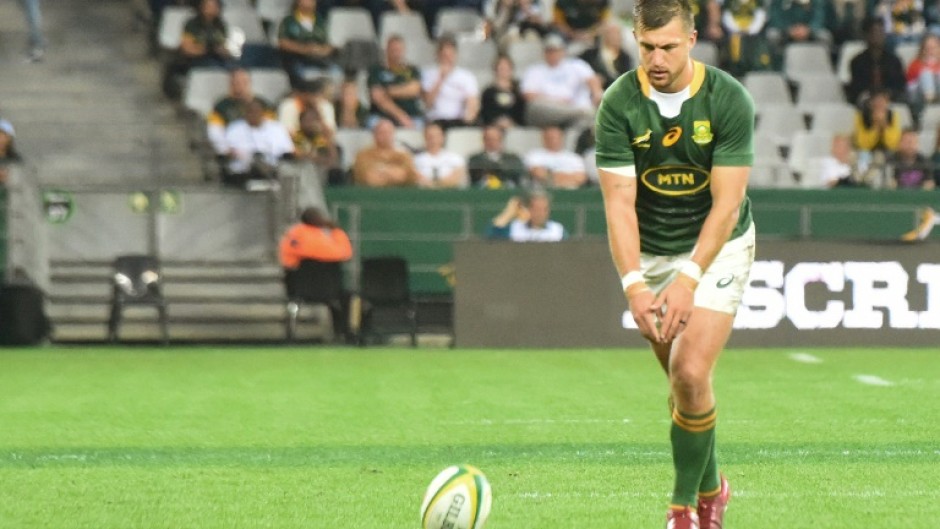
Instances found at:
x=580 y=20
x=746 y=48
x=561 y=90
x=909 y=168
x=318 y=94
x=8 y=152
x=840 y=168
x=494 y=168
x=375 y=7
x=586 y=148
x=903 y=19
x=316 y=238
x=451 y=93
x=923 y=75
x=509 y=20
x=608 y=58
x=255 y=146
x=350 y=112
x=554 y=167
x=797 y=21
x=384 y=165
x=302 y=41
x=527 y=219
x=437 y=168
x=708 y=19
x=231 y=108
x=203 y=44
x=877 y=127
x=315 y=142
x=875 y=68
x=395 y=88
x=502 y=102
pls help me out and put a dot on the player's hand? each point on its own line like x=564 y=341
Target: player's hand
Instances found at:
x=674 y=307
x=641 y=307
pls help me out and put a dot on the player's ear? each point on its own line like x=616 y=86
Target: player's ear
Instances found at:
x=693 y=38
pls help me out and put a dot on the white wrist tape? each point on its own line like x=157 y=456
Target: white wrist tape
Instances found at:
x=631 y=278
x=691 y=269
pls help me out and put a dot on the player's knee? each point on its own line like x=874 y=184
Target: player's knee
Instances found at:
x=689 y=381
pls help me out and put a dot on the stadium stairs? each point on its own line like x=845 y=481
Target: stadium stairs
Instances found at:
x=92 y=113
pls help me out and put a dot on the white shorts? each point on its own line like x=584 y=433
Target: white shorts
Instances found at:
x=722 y=284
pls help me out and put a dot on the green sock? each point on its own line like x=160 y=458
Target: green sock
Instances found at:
x=711 y=480
x=693 y=438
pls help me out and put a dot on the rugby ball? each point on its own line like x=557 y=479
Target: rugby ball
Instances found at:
x=458 y=498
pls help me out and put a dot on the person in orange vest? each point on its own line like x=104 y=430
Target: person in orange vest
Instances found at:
x=317 y=238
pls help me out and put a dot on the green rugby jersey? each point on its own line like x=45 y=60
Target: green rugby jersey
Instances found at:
x=674 y=156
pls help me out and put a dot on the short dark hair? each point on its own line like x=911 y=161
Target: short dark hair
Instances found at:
x=313 y=217
x=654 y=14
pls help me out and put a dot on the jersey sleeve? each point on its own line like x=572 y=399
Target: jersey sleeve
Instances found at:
x=613 y=131
x=734 y=126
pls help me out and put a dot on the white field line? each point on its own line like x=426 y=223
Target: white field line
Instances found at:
x=805 y=358
x=872 y=380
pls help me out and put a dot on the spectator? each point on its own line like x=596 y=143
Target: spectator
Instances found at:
x=203 y=44
x=502 y=102
x=840 y=168
x=451 y=93
x=8 y=152
x=37 y=42
x=437 y=168
x=797 y=21
x=876 y=68
x=384 y=165
x=255 y=146
x=923 y=75
x=708 y=19
x=561 y=90
x=909 y=168
x=315 y=142
x=903 y=19
x=350 y=112
x=316 y=93
x=302 y=41
x=527 y=219
x=877 y=127
x=395 y=88
x=554 y=167
x=928 y=219
x=316 y=238
x=608 y=58
x=375 y=7
x=580 y=20
x=508 y=20
x=746 y=49
x=586 y=148
x=231 y=108
x=494 y=168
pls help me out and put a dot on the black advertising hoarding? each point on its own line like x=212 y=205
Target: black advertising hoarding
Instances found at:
x=800 y=293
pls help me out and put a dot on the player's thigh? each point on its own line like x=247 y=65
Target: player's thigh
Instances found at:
x=697 y=348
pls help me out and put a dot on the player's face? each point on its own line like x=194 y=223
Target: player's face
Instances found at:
x=664 y=54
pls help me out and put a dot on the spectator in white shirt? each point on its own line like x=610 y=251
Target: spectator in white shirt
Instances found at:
x=527 y=219
x=256 y=144
x=451 y=93
x=438 y=168
x=552 y=165
x=562 y=90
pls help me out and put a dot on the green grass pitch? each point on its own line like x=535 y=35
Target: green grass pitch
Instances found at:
x=282 y=438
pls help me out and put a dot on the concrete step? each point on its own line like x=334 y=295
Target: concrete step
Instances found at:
x=206 y=312
x=271 y=290
x=185 y=332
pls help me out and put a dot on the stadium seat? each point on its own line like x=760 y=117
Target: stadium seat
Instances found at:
x=170 y=33
x=410 y=139
x=804 y=146
x=204 y=86
x=907 y=52
x=313 y=283
x=778 y=122
x=927 y=142
x=351 y=141
x=385 y=293
x=136 y=280
x=409 y=25
x=907 y=119
x=465 y=141
x=847 y=52
x=930 y=118
x=705 y=52
x=476 y=54
x=270 y=84
x=247 y=20
x=521 y=140
x=420 y=51
x=806 y=58
x=812 y=175
x=484 y=77
x=273 y=11
x=457 y=20
x=769 y=175
x=525 y=53
x=767 y=87
x=816 y=89
x=832 y=117
x=350 y=23
x=622 y=8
